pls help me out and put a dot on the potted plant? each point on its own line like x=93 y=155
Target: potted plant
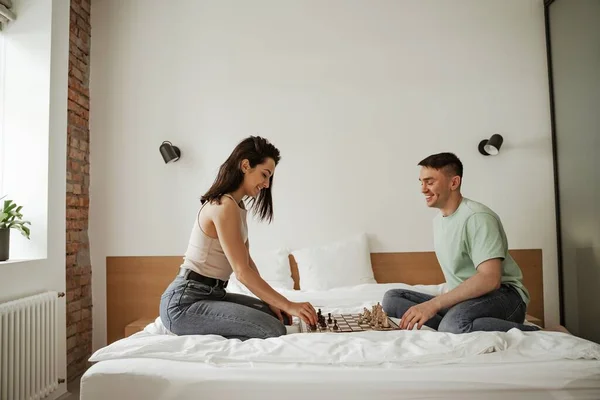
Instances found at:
x=10 y=218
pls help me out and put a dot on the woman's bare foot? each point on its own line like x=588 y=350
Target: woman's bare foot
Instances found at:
x=557 y=328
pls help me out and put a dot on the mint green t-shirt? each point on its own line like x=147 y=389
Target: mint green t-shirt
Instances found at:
x=468 y=237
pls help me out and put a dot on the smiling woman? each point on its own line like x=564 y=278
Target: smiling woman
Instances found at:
x=196 y=302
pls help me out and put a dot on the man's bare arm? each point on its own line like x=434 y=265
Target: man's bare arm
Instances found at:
x=487 y=279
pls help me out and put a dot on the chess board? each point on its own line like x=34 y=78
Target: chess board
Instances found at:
x=346 y=323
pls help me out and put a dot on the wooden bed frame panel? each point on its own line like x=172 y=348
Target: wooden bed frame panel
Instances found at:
x=134 y=284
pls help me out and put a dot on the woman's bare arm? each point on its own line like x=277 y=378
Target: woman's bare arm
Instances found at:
x=227 y=223
x=250 y=260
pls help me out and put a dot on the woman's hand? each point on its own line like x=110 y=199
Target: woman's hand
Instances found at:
x=305 y=311
x=280 y=314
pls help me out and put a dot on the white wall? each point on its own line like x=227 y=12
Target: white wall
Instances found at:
x=353 y=93
x=575 y=39
x=43 y=29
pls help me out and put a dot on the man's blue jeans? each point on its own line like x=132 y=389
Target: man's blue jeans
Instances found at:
x=500 y=310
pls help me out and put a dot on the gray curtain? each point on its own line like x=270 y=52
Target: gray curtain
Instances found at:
x=5 y=13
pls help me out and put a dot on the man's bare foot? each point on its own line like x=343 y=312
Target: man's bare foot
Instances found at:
x=557 y=328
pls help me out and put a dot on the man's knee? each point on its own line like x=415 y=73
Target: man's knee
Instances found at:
x=455 y=325
x=389 y=299
x=394 y=302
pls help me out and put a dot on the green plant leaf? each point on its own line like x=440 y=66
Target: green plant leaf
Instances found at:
x=11 y=217
x=18 y=222
x=11 y=211
x=10 y=207
x=24 y=230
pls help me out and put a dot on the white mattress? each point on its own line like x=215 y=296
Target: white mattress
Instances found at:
x=379 y=365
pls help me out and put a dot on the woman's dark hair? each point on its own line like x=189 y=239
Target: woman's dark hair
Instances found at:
x=256 y=150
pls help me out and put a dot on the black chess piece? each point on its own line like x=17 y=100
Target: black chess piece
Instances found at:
x=319 y=313
x=335 y=325
x=322 y=322
x=312 y=327
x=329 y=318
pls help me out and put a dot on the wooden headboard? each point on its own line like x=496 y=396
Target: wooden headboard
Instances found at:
x=134 y=284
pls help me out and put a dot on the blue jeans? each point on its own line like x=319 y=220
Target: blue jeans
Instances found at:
x=500 y=310
x=188 y=307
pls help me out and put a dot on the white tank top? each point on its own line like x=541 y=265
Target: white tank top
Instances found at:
x=205 y=255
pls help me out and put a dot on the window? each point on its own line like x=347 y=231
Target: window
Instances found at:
x=25 y=79
x=2 y=102
x=7 y=14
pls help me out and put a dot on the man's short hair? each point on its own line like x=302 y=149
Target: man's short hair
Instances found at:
x=446 y=161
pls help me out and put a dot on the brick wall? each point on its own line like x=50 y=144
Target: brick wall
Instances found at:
x=79 y=270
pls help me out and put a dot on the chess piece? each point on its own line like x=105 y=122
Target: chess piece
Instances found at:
x=335 y=325
x=386 y=322
x=379 y=310
x=312 y=328
x=322 y=321
x=319 y=313
x=329 y=318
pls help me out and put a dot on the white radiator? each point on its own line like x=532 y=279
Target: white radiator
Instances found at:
x=28 y=347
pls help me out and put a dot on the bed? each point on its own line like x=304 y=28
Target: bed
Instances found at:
x=154 y=364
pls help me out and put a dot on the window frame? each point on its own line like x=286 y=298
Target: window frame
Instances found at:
x=2 y=111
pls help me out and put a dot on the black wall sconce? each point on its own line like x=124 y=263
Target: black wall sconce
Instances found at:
x=169 y=152
x=492 y=146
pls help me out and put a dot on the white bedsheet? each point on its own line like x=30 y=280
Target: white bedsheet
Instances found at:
x=403 y=364
x=145 y=379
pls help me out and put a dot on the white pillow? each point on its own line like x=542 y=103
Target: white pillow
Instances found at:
x=342 y=263
x=274 y=268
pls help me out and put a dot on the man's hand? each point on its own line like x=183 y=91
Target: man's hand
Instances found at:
x=280 y=314
x=419 y=314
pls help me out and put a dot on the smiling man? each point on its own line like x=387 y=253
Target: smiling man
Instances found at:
x=484 y=284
